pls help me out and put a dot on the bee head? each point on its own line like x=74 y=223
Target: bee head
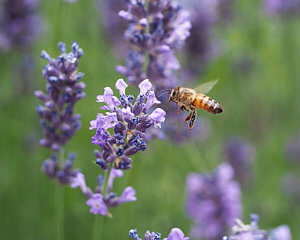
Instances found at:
x=174 y=94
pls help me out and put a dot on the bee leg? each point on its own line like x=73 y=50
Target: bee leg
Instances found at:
x=181 y=109
x=193 y=118
x=188 y=118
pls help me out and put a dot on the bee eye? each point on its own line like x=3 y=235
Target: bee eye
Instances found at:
x=175 y=93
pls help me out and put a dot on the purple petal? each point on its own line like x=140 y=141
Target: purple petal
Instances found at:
x=104 y=121
x=79 y=181
x=282 y=232
x=158 y=116
x=143 y=22
x=97 y=205
x=127 y=113
x=151 y=100
x=225 y=172
x=176 y=234
x=126 y=15
x=99 y=122
x=121 y=86
x=128 y=195
x=111 y=101
x=100 y=98
x=110 y=120
x=145 y=86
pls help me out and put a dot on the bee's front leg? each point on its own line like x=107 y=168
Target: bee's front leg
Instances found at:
x=181 y=109
x=193 y=116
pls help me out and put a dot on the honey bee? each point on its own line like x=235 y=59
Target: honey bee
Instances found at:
x=190 y=99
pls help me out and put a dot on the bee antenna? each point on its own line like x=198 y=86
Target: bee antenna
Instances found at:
x=165 y=92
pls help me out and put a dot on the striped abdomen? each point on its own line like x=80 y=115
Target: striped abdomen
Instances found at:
x=207 y=104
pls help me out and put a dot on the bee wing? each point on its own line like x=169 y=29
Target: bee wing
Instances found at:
x=206 y=87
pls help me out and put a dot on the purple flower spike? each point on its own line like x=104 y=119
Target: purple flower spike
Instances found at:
x=19 y=24
x=154 y=31
x=176 y=234
x=63 y=91
x=240 y=155
x=213 y=202
x=129 y=119
x=97 y=205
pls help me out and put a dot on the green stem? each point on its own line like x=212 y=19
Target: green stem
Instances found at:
x=106 y=177
x=98 y=225
x=60 y=204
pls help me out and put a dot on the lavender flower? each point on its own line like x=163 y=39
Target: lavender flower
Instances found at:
x=100 y=201
x=129 y=120
x=240 y=155
x=154 y=31
x=282 y=8
x=240 y=231
x=175 y=234
x=213 y=202
x=63 y=91
x=57 y=117
x=19 y=23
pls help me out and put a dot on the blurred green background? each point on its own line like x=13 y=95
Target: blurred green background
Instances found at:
x=261 y=105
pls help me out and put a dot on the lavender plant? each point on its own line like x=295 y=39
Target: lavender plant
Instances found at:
x=57 y=112
x=240 y=231
x=213 y=202
x=60 y=124
x=19 y=23
x=155 y=31
x=175 y=234
x=240 y=155
x=120 y=133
